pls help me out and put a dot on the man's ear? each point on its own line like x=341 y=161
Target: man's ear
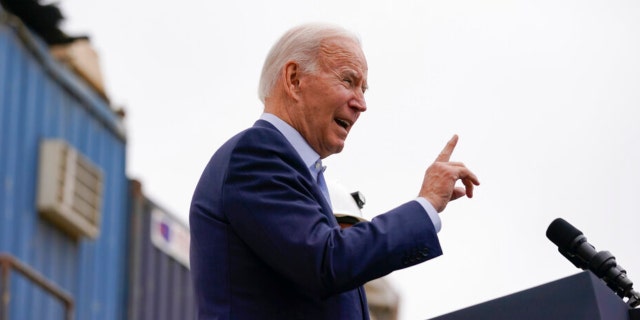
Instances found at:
x=292 y=79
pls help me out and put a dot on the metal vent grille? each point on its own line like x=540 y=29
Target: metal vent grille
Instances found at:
x=69 y=189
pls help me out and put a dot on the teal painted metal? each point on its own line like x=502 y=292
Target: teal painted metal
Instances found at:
x=40 y=99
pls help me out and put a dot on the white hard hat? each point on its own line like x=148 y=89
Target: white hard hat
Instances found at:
x=346 y=205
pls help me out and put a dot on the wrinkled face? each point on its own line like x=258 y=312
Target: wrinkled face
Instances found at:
x=332 y=98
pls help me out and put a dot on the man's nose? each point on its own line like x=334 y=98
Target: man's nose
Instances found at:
x=359 y=103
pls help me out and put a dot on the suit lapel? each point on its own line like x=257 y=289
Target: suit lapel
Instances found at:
x=300 y=166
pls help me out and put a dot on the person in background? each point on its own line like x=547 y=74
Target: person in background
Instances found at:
x=264 y=241
x=347 y=206
x=382 y=298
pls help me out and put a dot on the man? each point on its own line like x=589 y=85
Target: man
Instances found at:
x=264 y=241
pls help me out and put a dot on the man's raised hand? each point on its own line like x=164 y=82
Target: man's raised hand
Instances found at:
x=438 y=185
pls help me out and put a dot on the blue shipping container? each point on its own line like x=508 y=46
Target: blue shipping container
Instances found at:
x=40 y=99
x=160 y=286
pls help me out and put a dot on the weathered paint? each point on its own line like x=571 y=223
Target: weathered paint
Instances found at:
x=40 y=99
x=160 y=285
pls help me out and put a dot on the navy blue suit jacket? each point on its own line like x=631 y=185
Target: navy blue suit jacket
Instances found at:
x=265 y=244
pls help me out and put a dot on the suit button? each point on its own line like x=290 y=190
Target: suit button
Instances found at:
x=424 y=252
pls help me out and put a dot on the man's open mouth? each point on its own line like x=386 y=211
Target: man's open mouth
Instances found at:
x=343 y=123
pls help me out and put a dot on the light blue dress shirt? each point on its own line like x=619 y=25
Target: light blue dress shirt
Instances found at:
x=310 y=157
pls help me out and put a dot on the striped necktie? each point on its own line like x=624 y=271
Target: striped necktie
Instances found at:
x=319 y=169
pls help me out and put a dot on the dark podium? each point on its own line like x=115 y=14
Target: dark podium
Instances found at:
x=582 y=296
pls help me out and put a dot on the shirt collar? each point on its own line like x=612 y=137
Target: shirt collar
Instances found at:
x=308 y=155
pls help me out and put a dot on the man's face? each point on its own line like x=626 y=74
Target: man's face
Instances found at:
x=332 y=98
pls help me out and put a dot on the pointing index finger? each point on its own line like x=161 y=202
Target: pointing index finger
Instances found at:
x=445 y=154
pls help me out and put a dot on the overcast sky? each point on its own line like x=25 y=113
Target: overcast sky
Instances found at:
x=544 y=94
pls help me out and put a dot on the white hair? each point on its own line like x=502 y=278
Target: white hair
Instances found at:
x=302 y=45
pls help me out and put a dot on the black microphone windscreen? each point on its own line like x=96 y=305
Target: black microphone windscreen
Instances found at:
x=562 y=233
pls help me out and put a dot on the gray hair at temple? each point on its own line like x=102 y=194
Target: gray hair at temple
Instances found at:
x=302 y=45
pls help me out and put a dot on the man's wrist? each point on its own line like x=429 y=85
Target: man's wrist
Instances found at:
x=431 y=212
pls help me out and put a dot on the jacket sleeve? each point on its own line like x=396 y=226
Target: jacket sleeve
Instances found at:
x=273 y=205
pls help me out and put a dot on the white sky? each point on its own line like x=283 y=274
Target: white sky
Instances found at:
x=545 y=95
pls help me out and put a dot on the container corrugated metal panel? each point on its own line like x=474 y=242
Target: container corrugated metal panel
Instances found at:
x=161 y=287
x=39 y=99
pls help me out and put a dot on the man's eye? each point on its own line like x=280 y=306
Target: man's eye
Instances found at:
x=347 y=80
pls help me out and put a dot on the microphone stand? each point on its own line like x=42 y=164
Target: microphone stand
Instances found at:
x=633 y=302
x=634 y=299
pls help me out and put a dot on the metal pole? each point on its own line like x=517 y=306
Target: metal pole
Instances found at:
x=4 y=289
x=7 y=262
x=68 y=312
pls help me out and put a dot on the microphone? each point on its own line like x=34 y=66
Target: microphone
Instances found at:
x=573 y=245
